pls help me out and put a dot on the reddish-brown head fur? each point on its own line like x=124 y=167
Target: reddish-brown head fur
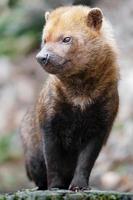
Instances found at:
x=88 y=46
x=86 y=63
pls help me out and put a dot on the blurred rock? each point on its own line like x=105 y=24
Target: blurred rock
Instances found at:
x=24 y=89
x=110 y=180
x=5 y=70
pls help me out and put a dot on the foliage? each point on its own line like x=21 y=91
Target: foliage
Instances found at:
x=20 y=28
x=68 y=195
x=7 y=150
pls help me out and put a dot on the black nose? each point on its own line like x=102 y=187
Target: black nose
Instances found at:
x=42 y=59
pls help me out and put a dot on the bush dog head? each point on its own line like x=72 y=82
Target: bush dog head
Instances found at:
x=73 y=40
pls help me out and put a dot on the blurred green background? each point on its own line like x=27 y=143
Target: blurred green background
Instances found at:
x=21 y=78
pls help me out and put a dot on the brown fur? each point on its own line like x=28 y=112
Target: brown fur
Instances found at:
x=90 y=76
x=95 y=50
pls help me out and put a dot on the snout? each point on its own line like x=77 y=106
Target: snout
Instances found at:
x=43 y=59
x=52 y=62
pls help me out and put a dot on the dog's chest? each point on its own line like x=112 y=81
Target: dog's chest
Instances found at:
x=73 y=126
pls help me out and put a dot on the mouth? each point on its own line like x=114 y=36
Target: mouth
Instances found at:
x=56 y=64
x=56 y=68
x=60 y=65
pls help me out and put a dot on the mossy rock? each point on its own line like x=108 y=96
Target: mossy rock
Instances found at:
x=66 y=195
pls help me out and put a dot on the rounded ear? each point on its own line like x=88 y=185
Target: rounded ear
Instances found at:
x=94 y=18
x=47 y=13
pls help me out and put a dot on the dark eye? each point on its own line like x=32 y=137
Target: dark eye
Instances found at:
x=67 y=40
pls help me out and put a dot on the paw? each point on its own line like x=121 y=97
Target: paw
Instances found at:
x=77 y=188
x=79 y=184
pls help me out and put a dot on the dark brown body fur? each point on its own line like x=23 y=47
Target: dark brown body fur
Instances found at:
x=71 y=120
